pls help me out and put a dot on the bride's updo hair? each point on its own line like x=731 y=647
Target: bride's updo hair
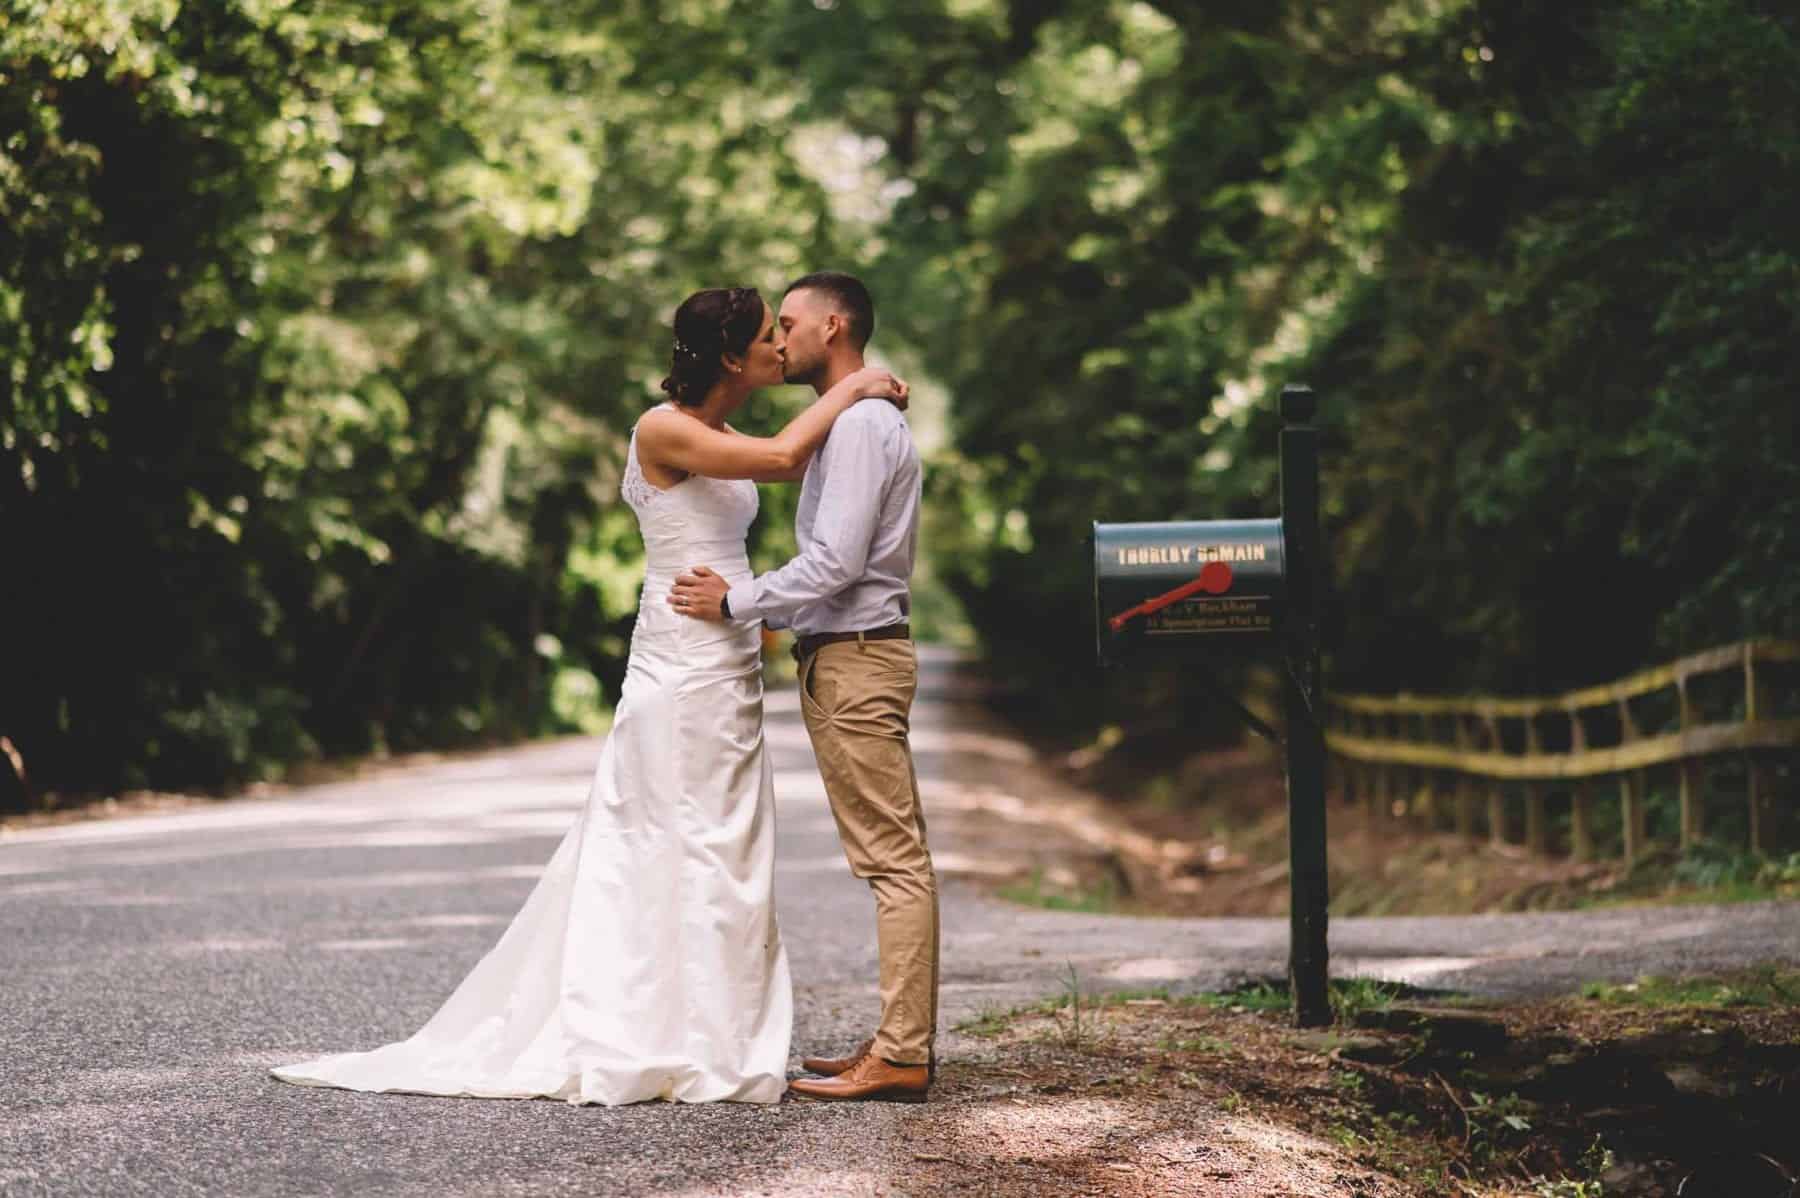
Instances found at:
x=709 y=323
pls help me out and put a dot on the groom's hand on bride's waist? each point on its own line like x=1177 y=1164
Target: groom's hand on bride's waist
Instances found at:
x=699 y=593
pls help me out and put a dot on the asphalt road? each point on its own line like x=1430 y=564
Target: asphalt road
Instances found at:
x=153 y=967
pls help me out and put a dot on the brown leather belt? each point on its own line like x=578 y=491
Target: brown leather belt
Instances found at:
x=806 y=646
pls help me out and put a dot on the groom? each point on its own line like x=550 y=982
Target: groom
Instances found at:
x=845 y=597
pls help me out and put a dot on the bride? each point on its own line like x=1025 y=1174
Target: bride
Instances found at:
x=646 y=962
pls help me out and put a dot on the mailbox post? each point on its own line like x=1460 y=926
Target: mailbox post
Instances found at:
x=1304 y=702
x=1178 y=591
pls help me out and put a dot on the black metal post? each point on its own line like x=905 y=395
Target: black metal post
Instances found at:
x=1303 y=698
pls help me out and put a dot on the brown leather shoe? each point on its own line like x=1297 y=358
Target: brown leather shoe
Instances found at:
x=832 y=1066
x=869 y=1080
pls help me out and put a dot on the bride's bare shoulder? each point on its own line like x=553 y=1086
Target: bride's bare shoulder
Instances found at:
x=658 y=421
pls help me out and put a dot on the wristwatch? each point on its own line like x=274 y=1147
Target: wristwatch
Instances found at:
x=725 y=606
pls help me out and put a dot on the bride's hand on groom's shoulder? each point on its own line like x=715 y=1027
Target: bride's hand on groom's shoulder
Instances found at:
x=875 y=382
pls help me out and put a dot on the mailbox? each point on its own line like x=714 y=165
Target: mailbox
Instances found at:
x=1186 y=585
x=1182 y=591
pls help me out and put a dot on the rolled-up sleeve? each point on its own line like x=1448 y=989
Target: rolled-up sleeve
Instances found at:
x=843 y=530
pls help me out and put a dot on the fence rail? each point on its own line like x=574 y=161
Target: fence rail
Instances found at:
x=1394 y=751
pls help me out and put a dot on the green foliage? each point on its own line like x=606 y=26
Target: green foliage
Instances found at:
x=1073 y=1033
x=1537 y=258
x=319 y=328
x=1035 y=891
x=1262 y=997
x=1710 y=865
x=1207 y=1045
x=1495 y=1122
x=1595 y=1162
x=1352 y=996
x=988 y=1021
x=1708 y=872
x=1761 y=986
x=1349 y=997
x=1542 y=1187
x=1578 y=317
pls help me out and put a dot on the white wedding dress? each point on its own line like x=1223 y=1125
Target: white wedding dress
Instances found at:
x=646 y=963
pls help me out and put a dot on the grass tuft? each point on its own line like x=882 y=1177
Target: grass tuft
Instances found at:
x=1759 y=986
x=1100 y=899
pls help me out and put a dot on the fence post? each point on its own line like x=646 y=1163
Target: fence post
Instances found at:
x=1537 y=827
x=1581 y=822
x=1429 y=776
x=1756 y=707
x=1693 y=801
x=1496 y=791
x=1383 y=794
x=1465 y=790
x=1631 y=791
x=1581 y=799
x=1631 y=815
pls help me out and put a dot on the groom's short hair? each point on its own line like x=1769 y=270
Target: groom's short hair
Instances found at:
x=848 y=294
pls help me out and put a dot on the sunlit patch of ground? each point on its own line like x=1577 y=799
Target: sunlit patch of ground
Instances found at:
x=1629 y=1091
x=1040 y=1113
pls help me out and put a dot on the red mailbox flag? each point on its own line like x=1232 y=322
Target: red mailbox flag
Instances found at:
x=1214 y=579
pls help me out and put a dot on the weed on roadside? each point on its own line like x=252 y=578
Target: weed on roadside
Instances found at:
x=1352 y=996
x=1495 y=1122
x=1073 y=1014
x=1100 y=899
x=1072 y=1033
x=1210 y=1045
x=1349 y=996
x=1593 y=1166
x=1261 y=997
x=1759 y=986
x=990 y=1019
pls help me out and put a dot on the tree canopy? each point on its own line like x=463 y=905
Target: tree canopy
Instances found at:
x=1538 y=258
x=322 y=322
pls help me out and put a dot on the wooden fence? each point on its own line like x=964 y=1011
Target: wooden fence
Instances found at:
x=1403 y=753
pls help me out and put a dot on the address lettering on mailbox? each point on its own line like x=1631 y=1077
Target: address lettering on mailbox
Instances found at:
x=1245 y=613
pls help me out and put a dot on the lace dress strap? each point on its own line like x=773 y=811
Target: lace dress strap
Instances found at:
x=636 y=490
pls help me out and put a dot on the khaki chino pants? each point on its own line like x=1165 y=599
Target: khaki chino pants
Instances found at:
x=856 y=697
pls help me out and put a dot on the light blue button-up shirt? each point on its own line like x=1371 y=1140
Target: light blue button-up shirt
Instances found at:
x=857 y=528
